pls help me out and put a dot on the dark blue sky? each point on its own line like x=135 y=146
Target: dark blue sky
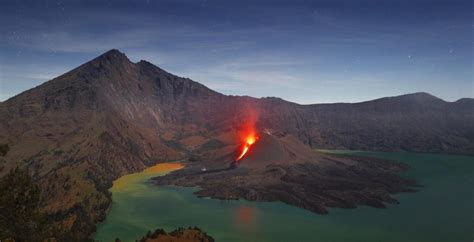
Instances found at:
x=302 y=51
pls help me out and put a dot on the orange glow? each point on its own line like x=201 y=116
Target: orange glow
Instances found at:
x=247 y=133
x=244 y=151
x=249 y=141
x=246 y=214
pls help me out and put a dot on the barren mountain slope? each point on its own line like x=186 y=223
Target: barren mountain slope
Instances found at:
x=109 y=117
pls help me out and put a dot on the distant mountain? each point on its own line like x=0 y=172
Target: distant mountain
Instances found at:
x=109 y=117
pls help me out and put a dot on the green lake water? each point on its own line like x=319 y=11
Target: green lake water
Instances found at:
x=443 y=210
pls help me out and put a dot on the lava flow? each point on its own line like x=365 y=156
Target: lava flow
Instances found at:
x=249 y=141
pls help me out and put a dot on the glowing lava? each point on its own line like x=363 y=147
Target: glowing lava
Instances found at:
x=249 y=141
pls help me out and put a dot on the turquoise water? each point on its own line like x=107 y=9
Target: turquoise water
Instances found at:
x=443 y=210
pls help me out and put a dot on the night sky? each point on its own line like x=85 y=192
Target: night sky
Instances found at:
x=302 y=51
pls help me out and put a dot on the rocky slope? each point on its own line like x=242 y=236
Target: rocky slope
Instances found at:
x=109 y=117
x=281 y=168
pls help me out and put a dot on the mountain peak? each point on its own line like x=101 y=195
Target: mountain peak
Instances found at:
x=422 y=97
x=113 y=54
x=110 y=61
x=418 y=97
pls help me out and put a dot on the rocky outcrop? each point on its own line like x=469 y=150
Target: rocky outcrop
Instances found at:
x=178 y=235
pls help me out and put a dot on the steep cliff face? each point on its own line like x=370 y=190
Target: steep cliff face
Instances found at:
x=108 y=117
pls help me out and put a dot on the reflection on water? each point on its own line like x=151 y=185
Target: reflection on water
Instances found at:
x=246 y=215
x=246 y=219
x=139 y=206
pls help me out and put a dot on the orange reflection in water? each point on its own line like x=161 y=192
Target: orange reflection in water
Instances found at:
x=245 y=214
x=246 y=219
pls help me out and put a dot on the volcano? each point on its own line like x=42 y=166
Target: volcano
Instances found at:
x=279 y=167
x=272 y=149
x=109 y=117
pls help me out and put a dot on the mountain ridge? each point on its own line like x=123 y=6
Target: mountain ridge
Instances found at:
x=108 y=117
x=117 y=55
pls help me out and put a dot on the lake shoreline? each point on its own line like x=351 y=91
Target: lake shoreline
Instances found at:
x=330 y=180
x=147 y=207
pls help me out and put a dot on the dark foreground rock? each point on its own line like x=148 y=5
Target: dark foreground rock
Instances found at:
x=178 y=235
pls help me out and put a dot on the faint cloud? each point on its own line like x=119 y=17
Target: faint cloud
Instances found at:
x=250 y=74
